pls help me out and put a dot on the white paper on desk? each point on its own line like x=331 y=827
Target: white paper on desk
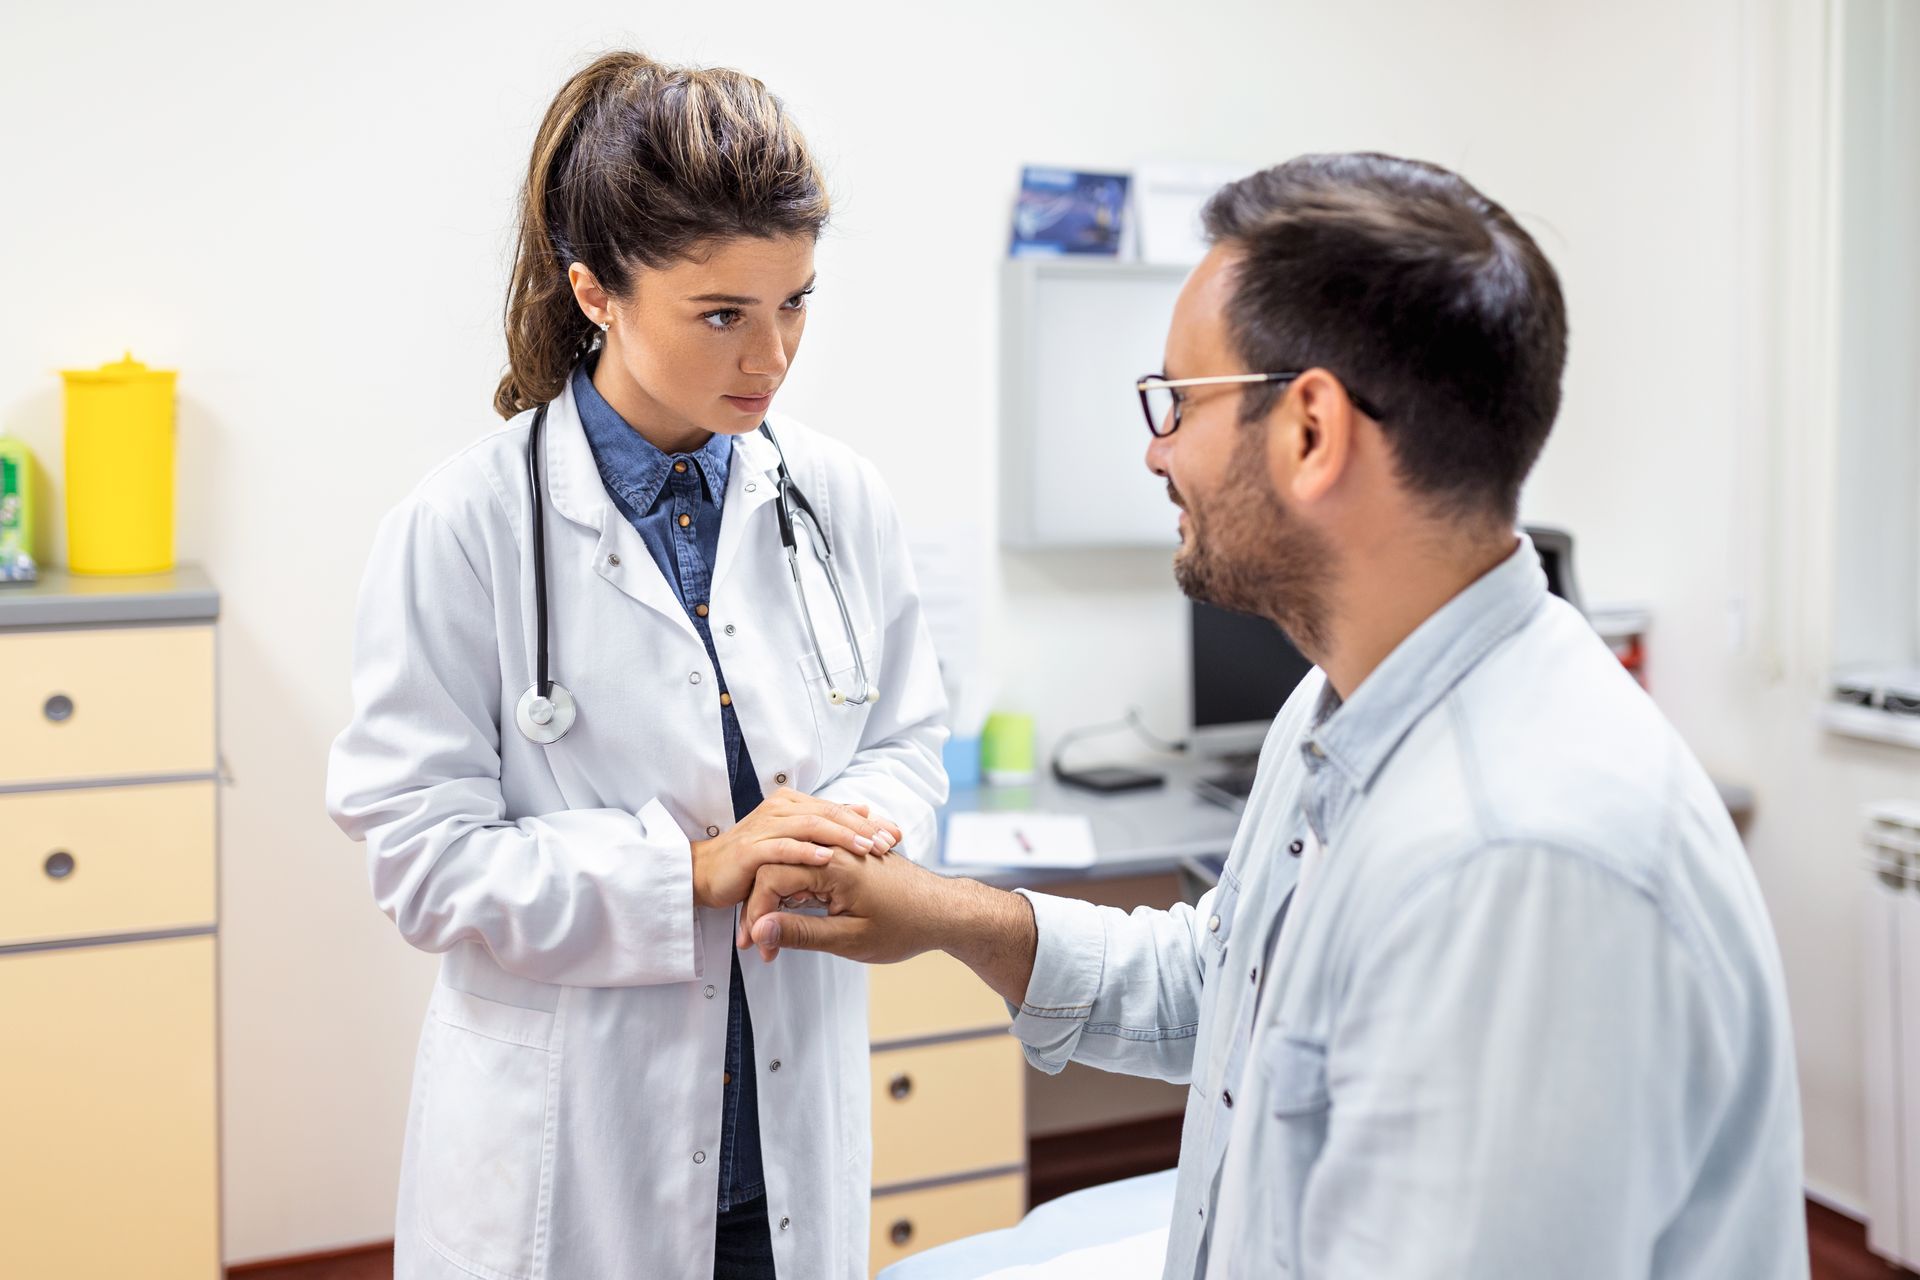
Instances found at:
x=1018 y=840
x=1138 y=1257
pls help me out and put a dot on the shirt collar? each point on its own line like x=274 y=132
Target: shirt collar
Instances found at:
x=633 y=466
x=1359 y=736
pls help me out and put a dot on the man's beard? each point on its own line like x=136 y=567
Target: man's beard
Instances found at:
x=1250 y=554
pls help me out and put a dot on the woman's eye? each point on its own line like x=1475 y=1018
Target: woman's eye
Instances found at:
x=798 y=302
x=722 y=319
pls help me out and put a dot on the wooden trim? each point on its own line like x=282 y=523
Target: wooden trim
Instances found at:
x=1081 y=1158
x=311 y=1266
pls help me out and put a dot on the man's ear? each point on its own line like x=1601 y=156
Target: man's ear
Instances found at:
x=1310 y=435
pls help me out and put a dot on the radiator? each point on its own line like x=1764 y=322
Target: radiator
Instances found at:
x=1891 y=958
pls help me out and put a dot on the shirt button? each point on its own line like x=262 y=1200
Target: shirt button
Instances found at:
x=1253 y=976
x=681 y=467
x=726 y=699
x=711 y=832
x=1213 y=925
x=685 y=521
x=613 y=559
x=1319 y=752
x=693 y=677
x=780 y=779
x=1226 y=1096
x=726 y=1077
x=699 y=1157
x=709 y=992
x=1296 y=847
x=700 y=610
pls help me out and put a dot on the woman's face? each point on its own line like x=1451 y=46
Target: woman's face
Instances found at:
x=703 y=345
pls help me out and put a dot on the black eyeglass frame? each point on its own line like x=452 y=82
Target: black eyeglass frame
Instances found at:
x=1151 y=382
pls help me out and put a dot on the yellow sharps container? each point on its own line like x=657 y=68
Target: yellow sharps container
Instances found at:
x=119 y=468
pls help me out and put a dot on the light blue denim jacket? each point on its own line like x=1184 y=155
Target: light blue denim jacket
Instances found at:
x=1527 y=1018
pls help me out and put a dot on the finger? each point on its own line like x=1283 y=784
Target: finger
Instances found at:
x=853 y=817
x=774 y=883
x=828 y=830
x=835 y=935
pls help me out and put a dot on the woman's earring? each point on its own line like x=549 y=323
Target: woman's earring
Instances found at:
x=604 y=324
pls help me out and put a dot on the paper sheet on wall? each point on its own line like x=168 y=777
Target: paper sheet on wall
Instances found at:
x=1138 y=1257
x=1013 y=839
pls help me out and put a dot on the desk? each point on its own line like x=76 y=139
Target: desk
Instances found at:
x=1135 y=833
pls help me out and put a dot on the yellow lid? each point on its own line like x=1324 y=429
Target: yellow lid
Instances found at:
x=125 y=369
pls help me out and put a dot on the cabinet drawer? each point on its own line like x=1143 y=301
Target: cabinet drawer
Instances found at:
x=105 y=704
x=98 y=861
x=109 y=1113
x=906 y=1222
x=947 y=1109
x=929 y=995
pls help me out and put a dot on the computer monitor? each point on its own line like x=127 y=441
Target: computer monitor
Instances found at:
x=1555 y=547
x=1242 y=671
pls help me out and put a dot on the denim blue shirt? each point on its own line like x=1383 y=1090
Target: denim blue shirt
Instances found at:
x=1522 y=1014
x=655 y=492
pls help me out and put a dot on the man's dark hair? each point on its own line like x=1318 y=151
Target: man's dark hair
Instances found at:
x=1425 y=298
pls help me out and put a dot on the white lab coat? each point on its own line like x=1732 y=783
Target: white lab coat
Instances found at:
x=565 y=1118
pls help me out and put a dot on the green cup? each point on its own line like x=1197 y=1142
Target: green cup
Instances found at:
x=1006 y=748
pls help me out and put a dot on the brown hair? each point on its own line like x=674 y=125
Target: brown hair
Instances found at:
x=638 y=164
x=1423 y=295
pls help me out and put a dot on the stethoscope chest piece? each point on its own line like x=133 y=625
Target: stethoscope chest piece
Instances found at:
x=546 y=720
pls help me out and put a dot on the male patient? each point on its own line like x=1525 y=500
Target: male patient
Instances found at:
x=1487 y=987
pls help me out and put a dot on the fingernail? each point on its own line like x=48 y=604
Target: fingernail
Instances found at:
x=822 y=855
x=863 y=844
x=883 y=842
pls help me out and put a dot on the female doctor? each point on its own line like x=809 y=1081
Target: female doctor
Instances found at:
x=601 y=676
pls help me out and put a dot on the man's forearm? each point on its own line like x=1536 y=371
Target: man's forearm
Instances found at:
x=992 y=932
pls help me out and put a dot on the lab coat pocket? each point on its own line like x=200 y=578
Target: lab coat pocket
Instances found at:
x=483 y=1132
x=841 y=725
x=1298 y=1109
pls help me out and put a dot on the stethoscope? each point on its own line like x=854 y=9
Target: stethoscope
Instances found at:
x=547 y=710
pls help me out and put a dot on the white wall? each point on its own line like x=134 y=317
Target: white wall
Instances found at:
x=306 y=211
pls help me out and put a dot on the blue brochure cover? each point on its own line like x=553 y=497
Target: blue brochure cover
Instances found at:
x=1061 y=211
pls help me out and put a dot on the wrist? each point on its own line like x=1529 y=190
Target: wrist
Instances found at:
x=977 y=921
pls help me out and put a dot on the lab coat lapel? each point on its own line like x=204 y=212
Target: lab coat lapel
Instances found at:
x=575 y=490
x=752 y=482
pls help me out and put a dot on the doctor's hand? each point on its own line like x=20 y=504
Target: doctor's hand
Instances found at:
x=787 y=827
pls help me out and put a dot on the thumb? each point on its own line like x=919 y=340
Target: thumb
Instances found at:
x=832 y=934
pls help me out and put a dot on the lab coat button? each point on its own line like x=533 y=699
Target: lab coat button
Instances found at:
x=1296 y=848
x=699 y=1157
x=780 y=779
x=785 y=1223
x=613 y=559
x=774 y=1065
x=751 y=486
x=729 y=628
x=709 y=991
x=712 y=831
x=694 y=677
x=1213 y=925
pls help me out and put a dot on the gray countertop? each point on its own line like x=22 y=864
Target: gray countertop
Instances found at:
x=62 y=599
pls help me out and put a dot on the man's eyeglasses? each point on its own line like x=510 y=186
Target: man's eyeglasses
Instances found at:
x=1161 y=398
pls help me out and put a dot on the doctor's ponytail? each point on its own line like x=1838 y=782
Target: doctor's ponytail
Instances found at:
x=638 y=164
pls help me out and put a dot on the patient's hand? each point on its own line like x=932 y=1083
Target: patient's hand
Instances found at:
x=879 y=910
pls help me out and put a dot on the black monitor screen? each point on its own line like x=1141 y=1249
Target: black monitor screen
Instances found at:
x=1243 y=668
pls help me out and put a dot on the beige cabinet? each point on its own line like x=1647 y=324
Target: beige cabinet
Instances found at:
x=949 y=1108
x=109 y=1122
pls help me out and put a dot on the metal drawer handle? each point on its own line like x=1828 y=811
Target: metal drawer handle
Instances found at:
x=901 y=1231
x=900 y=1087
x=59 y=865
x=59 y=708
